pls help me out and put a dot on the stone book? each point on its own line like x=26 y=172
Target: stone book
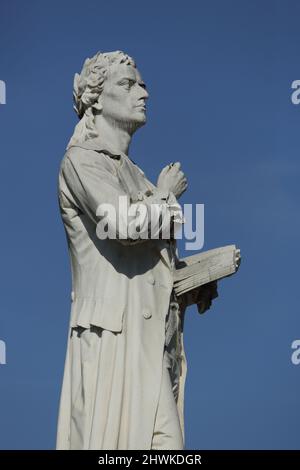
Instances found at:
x=205 y=267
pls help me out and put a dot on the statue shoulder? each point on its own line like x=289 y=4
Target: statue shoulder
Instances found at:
x=80 y=157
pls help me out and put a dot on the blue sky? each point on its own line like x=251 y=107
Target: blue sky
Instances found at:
x=219 y=75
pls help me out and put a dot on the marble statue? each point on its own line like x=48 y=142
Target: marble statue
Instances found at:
x=125 y=367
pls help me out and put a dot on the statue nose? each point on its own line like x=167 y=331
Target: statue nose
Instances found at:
x=144 y=94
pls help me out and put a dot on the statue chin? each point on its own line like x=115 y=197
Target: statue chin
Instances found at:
x=131 y=126
x=128 y=125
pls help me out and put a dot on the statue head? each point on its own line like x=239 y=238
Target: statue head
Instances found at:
x=108 y=85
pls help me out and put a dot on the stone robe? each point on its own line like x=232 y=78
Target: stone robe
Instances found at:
x=121 y=290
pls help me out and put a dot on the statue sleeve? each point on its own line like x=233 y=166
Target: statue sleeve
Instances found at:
x=98 y=193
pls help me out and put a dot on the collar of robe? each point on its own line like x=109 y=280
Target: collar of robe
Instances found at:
x=100 y=146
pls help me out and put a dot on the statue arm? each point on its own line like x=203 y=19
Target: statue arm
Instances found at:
x=94 y=187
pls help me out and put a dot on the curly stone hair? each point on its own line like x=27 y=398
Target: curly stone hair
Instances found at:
x=88 y=86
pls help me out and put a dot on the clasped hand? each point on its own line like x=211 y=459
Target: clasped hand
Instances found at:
x=172 y=179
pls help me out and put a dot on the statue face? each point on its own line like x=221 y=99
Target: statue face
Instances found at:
x=124 y=97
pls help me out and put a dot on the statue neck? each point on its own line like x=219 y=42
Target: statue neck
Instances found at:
x=113 y=134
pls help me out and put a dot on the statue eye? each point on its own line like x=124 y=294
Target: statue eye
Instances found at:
x=127 y=83
x=130 y=83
